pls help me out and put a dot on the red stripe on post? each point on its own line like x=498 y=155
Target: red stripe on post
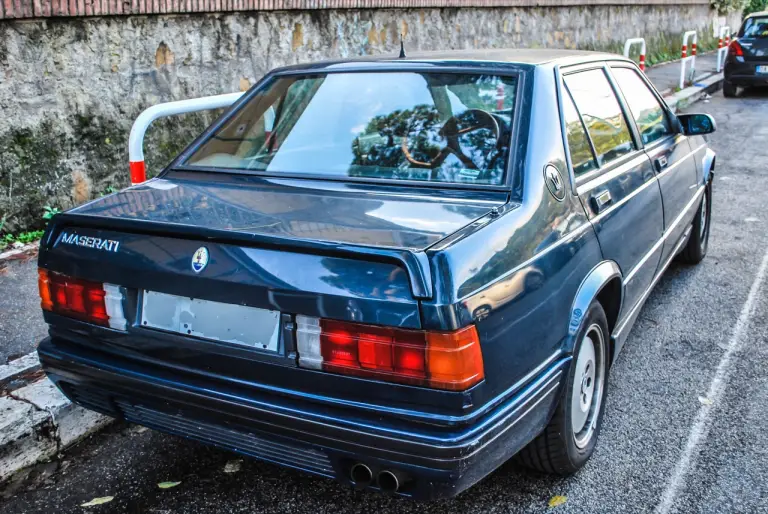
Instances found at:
x=693 y=49
x=685 y=50
x=138 y=172
x=642 y=62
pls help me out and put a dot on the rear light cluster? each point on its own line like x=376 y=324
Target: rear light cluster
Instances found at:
x=94 y=302
x=440 y=360
x=735 y=49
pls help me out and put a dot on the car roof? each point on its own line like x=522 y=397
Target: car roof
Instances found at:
x=512 y=56
x=760 y=13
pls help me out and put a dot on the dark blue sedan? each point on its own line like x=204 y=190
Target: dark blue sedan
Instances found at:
x=397 y=273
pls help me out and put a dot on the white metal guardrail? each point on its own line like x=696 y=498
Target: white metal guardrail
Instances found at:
x=634 y=41
x=722 y=46
x=685 y=57
x=145 y=119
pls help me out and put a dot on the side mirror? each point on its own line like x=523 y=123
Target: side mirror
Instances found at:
x=697 y=124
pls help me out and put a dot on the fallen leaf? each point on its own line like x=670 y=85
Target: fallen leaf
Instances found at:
x=167 y=485
x=705 y=401
x=233 y=466
x=557 y=500
x=98 y=501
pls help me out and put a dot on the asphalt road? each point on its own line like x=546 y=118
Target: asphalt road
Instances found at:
x=21 y=320
x=685 y=428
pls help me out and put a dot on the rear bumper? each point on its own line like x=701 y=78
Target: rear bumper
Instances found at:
x=438 y=462
x=744 y=74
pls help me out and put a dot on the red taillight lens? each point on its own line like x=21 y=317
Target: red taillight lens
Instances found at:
x=735 y=49
x=442 y=360
x=73 y=297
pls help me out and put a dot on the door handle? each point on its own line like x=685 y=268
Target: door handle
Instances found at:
x=660 y=163
x=601 y=200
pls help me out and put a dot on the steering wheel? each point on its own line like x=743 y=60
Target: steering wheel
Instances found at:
x=474 y=119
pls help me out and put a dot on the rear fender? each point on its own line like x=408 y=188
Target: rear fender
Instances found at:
x=588 y=291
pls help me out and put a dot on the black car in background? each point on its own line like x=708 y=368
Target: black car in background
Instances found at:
x=746 y=64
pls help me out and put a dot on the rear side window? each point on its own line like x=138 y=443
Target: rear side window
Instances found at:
x=755 y=27
x=582 y=158
x=650 y=117
x=601 y=112
x=435 y=127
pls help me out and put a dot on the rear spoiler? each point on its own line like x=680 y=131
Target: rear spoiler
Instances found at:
x=416 y=263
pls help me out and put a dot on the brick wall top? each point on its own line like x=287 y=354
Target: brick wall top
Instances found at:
x=66 y=8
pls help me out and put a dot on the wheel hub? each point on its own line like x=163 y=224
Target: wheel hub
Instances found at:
x=587 y=386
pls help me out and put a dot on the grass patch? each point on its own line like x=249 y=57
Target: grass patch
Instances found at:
x=8 y=240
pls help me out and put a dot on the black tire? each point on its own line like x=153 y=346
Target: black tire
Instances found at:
x=696 y=248
x=729 y=90
x=556 y=450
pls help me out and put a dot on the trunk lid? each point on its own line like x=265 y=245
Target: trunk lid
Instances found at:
x=392 y=217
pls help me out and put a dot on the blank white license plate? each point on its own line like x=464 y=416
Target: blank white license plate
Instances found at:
x=237 y=324
x=762 y=69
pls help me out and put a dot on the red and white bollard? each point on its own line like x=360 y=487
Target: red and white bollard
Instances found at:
x=722 y=46
x=145 y=119
x=636 y=40
x=684 y=57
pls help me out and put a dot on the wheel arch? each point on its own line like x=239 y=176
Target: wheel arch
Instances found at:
x=708 y=165
x=604 y=284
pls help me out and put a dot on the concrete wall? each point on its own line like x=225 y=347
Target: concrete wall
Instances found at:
x=71 y=87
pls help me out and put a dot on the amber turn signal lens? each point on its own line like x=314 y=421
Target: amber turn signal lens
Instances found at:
x=44 y=285
x=454 y=360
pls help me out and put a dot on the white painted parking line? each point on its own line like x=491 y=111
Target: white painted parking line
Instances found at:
x=700 y=428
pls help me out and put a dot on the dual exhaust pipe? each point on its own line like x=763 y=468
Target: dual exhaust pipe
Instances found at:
x=388 y=481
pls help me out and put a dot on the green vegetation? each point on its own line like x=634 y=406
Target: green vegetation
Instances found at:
x=23 y=238
x=755 y=6
x=8 y=240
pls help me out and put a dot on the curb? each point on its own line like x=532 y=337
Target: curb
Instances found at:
x=36 y=420
x=15 y=253
x=699 y=90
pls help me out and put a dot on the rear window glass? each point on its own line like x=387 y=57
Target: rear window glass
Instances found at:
x=408 y=126
x=601 y=112
x=756 y=27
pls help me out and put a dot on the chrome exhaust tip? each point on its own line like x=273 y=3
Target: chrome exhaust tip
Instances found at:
x=360 y=475
x=389 y=482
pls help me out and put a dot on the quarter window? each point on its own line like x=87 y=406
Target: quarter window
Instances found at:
x=601 y=112
x=582 y=158
x=650 y=117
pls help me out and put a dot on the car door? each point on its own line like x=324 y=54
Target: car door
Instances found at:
x=668 y=149
x=614 y=178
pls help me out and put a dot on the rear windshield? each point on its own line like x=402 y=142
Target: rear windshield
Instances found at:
x=756 y=27
x=436 y=127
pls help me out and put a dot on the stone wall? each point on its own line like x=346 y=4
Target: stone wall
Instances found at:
x=71 y=87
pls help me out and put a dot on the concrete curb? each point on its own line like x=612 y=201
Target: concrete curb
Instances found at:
x=36 y=420
x=699 y=90
x=16 y=252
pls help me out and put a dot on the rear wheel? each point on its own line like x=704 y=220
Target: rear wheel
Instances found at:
x=696 y=248
x=729 y=90
x=569 y=439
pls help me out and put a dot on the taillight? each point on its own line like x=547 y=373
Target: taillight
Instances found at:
x=441 y=360
x=735 y=49
x=94 y=302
